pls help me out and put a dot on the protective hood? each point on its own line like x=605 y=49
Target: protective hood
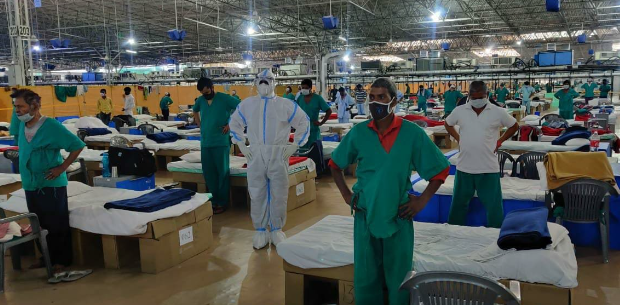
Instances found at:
x=266 y=90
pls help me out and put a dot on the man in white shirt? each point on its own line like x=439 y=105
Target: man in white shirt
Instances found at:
x=477 y=167
x=344 y=103
x=130 y=102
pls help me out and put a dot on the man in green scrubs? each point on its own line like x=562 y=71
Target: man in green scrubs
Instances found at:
x=604 y=88
x=477 y=169
x=14 y=127
x=312 y=104
x=589 y=87
x=566 y=96
x=537 y=87
x=42 y=170
x=549 y=87
x=234 y=94
x=212 y=112
x=164 y=105
x=501 y=93
x=289 y=93
x=423 y=96
x=451 y=97
x=386 y=149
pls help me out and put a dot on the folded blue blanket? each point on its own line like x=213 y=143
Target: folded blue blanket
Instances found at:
x=96 y=131
x=525 y=230
x=154 y=201
x=163 y=137
x=569 y=135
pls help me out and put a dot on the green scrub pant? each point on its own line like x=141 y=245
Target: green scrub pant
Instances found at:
x=566 y=114
x=489 y=190
x=216 y=171
x=381 y=260
x=422 y=107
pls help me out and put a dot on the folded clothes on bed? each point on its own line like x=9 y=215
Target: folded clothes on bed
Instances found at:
x=569 y=135
x=549 y=131
x=525 y=230
x=154 y=201
x=163 y=137
x=96 y=131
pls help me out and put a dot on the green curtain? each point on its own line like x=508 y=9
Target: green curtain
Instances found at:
x=62 y=92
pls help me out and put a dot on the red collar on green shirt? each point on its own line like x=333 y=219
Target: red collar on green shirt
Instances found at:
x=388 y=138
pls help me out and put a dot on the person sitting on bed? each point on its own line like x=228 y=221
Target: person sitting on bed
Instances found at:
x=43 y=174
x=386 y=149
x=477 y=166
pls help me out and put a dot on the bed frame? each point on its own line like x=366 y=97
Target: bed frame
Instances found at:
x=295 y=277
x=97 y=145
x=168 y=155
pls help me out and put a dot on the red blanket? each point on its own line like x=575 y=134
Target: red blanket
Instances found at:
x=548 y=131
x=582 y=117
x=430 y=123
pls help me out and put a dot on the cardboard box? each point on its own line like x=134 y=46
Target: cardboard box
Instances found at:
x=158 y=228
x=302 y=189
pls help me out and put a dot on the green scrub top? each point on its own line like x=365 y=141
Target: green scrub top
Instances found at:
x=289 y=96
x=423 y=97
x=237 y=97
x=15 y=122
x=589 y=89
x=43 y=153
x=501 y=94
x=451 y=98
x=604 y=90
x=537 y=88
x=316 y=104
x=383 y=179
x=213 y=117
x=549 y=88
x=517 y=91
x=566 y=99
x=165 y=102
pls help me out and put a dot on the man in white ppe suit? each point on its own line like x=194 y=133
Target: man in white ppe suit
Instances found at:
x=268 y=119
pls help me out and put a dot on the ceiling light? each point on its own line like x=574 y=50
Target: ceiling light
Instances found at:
x=346 y=58
x=36 y=48
x=131 y=41
x=251 y=30
x=436 y=16
x=488 y=50
x=342 y=38
x=352 y=67
x=131 y=51
x=519 y=42
x=248 y=63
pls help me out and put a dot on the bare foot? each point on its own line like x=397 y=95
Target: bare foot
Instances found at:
x=58 y=268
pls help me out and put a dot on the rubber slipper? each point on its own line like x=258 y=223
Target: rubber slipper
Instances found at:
x=57 y=278
x=76 y=275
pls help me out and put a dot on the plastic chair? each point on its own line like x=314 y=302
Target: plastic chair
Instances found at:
x=120 y=141
x=525 y=165
x=80 y=171
x=82 y=134
x=513 y=105
x=147 y=128
x=445 y=287
x=118 y=123
x=420 y=123
x=502 y=157
x=13 y=155
x=37 y=233
x=587 y=201
x=183 y=117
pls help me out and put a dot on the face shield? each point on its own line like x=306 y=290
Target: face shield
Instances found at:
x=266 y=83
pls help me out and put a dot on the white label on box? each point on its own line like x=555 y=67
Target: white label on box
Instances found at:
x=186 y=236
x=300 y=189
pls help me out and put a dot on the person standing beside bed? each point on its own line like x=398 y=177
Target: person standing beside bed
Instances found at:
x=42 y=171
x=386 y=149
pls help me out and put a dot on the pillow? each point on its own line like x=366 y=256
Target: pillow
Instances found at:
x=89 y=122
x=70 y=121
x=531 y=117
x=577 y=142
x=193 y=157
x=5 y=124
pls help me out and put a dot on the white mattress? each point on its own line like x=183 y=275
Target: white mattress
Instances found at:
x=331 y=124
x=144 y=117
x=570 y=123
x=107 y=137
x=6 y=179
x=328 y=149
x=441 y=247
x=180 y=144
x=182 y=131
x=168 y=123
x=236 y=166
x=513 y=188
x=86 y=211
x=74 y=130
x=87 y=154
x=536 y=146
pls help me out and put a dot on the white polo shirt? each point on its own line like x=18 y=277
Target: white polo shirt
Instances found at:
x=478 y=137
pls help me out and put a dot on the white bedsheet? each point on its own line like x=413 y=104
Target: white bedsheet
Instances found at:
x=74 y=130
x=107 y=137
x=236 y=166
x=329 y=243
x=182 y=131
x=536 y=146
x=87 y=154
x=513 y=188
x=332 y=124
x=328 y=149
x=86 y=211
x=570 y=123
x=6 y=179
x=180 y=144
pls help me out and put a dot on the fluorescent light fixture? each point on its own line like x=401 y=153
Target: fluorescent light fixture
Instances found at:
x=36 y=48
x=131 y=51
x=342 y=38
x=346 y=58
x=436 y=16
x=352 y=67
x=131 y=41
x=518 y=42
x=151 y=42
x=251 y=30
x=488 y=50
x=383 y=58
x=248 y=63
x=207 y=24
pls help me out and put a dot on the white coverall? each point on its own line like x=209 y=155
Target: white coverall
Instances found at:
x=343 y=105
x=130 y=104
x=268 y=120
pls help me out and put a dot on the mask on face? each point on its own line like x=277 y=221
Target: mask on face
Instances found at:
x=264 y=90
x=305 y=91
x=380 y=111
x=478 y=103
x=103 y=94
x=234 y=93
x=452 y=88
x=589 y=81
x=288 y=90
x=25 y=118
x=565 y=87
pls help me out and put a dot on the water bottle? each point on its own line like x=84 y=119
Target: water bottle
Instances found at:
x=595 y=141
x=105 y=163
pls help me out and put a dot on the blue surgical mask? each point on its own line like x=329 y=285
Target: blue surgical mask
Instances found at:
x=25 y=118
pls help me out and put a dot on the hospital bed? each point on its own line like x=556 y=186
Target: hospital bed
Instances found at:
x=8 y=184
x=519 y=147
x=325 y=252
x=190 y=174
x=113 y=228
x=103 y=141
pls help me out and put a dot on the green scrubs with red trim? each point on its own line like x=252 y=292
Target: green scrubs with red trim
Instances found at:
x=312 y=109
x=383 y=243
x=566 y=102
